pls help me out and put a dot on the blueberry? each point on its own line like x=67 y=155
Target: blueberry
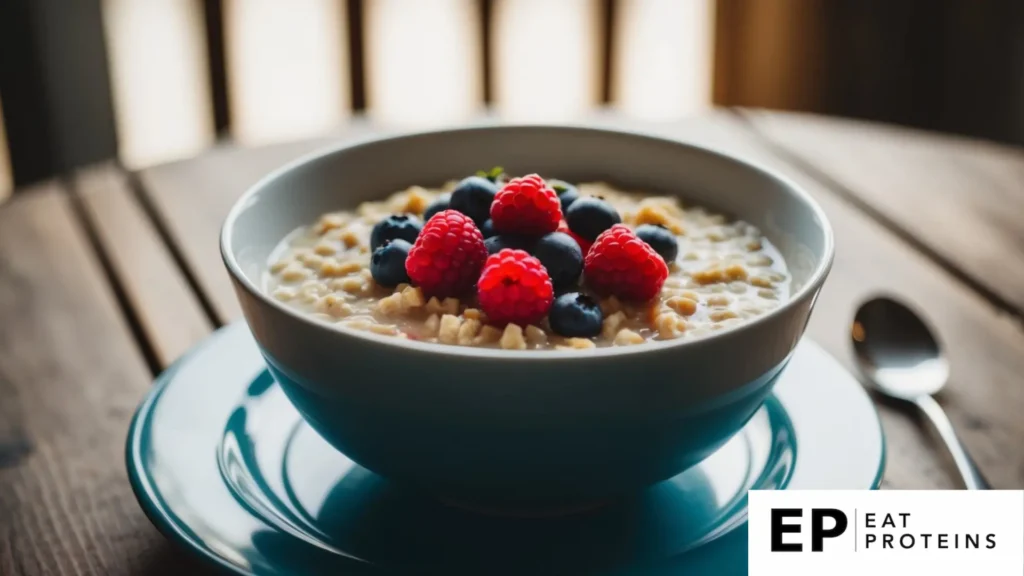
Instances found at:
x=473 y=197
x=496 y=244
x=487 y=228
x=388 y=263
x=440 y=204
x=562 y=257
x=395 y=226
x=575 y=315
x=661 y=239
x=567 y=193
x=589 y=216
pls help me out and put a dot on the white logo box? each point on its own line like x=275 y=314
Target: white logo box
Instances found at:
x=886 y=532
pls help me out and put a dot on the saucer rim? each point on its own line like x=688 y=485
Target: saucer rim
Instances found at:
x=173 y=528
x=145 y=493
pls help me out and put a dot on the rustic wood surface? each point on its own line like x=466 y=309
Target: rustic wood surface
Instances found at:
x=961 y=200
x=104 y=284
x=167 y=309
x=216 y=179
x=71 y=375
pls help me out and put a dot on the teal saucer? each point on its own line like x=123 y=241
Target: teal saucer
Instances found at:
x=223 y=464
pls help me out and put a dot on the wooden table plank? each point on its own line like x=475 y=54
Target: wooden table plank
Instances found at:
x=987 y=349
x=171 y=317
x=70 y=378
x=194 y=196
x=962 y=199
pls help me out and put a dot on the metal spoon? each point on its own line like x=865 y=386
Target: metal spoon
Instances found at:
x=900 y=358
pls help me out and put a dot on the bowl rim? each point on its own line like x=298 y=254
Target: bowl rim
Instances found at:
x=810 y=287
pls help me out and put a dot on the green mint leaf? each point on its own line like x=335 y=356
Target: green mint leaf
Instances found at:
x=493 y=174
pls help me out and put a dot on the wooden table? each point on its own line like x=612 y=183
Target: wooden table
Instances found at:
x=107 y=276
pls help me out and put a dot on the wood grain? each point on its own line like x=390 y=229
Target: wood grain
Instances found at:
x=70 y=378
x=171 y=317
x=194 y=196
x=961 y=199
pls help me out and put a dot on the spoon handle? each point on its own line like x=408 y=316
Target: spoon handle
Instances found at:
x=973 y=480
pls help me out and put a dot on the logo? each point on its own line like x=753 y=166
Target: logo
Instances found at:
x=818 y=531
x=892 y=532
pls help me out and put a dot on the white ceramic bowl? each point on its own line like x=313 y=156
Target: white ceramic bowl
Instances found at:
x=524 y=427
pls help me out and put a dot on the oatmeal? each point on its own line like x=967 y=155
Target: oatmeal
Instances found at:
x=668 y=271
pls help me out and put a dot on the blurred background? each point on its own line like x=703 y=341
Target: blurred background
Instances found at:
x=151 y=81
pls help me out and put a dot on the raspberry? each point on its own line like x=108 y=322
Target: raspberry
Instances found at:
x=526 y=206
x=585 y=244
x=447 y=256
x=514 y=287
x=623 y=265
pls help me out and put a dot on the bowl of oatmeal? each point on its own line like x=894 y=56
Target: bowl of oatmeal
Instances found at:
x=600 y=313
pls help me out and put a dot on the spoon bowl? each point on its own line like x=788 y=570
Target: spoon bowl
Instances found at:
x=897 y=351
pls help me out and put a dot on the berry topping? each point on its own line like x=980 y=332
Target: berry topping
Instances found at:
x=438 y=205
x=623 y=265
x=575 y=315
x=395 y=226
x=567 y=193
x=473 y=197
x=388 y=263
x=514 y=287
x=583 y=244
x=661 y=239
x=496 y=244
x=448 y=255
x=561 y=256
x=589 y=216
x=526 y=206
x=487 y=228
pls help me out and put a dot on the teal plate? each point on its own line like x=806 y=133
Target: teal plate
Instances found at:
x=223 y=464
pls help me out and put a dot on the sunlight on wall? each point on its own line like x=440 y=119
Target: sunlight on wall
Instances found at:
x=662 y=66
x=6 y=178
x=160 y=78
x=423 y=60
x=288 y=72
x=546 y=58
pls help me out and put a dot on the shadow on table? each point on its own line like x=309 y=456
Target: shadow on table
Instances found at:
x=166 y=559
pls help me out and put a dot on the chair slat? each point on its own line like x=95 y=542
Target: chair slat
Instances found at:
x=423 y=60
x=160 y=78
x=662 y=64
x=546 y=58
x=287 y=67
x=6 y=179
